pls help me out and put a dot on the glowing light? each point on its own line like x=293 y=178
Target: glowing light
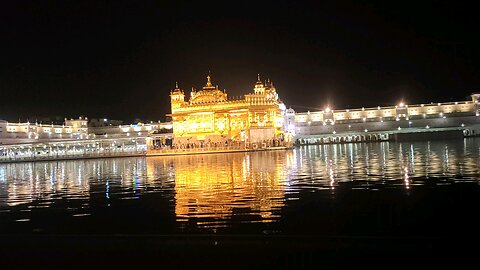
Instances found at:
x=210 y=115
x=401 y=104
x=407 y=178
x=331 y=174
x=327 y=110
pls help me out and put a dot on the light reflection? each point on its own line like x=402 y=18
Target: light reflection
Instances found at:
x=22 y=183
x=212 y=188
x=390 y=161
x=216 y=190
x=406 y=178
x=331 y=174
x=3 y=175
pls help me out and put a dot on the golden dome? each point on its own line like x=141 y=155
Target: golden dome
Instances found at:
x=209 y=93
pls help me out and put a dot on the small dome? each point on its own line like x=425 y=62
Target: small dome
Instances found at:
x=209 y=93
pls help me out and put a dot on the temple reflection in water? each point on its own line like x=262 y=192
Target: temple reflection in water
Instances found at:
x=217 y=190
x=220 y=186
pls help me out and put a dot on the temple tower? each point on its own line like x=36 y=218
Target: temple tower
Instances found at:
x=177 y=98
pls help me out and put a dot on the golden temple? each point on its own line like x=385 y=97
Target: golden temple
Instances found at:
x=209 y=116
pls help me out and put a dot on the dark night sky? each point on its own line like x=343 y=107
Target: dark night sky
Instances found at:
x=120 y=59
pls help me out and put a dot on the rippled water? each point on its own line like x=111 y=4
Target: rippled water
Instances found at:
x=328 y=189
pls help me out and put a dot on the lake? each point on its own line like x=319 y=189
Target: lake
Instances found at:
x=362 y=199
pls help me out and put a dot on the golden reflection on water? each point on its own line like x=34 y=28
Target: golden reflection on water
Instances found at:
x=213 y=190
x=217 y=186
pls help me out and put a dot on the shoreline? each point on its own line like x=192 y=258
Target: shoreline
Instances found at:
x=146 y=154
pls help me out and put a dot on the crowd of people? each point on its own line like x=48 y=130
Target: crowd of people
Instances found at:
x=226 y=144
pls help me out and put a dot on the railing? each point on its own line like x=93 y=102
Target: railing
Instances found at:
x=381 y=108
x=167 y=150
x=207 y=149
x=9 y=155
x=59 y=156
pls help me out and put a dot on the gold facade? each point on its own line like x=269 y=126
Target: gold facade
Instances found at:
x=210 y=116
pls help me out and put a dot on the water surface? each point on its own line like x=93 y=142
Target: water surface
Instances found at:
x=361 y=189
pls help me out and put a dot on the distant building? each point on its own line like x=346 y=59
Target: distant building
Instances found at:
x=33 y=132
x=3 y=128
x=364 y=124
x=103 y=122
x=210 y=116
x=78 y=125
x=139 y=129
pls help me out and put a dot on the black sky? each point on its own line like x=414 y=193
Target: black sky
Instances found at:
x=120 y=59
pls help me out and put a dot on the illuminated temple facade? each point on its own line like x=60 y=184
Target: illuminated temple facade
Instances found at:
x=209 y=116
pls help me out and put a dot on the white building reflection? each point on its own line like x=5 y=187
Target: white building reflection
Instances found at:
x=22 y=183
x=211 y=190
x=329 y=165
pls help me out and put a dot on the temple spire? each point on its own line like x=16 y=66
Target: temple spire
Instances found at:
x=209 y=82
x=258 y=78
x=176 y=84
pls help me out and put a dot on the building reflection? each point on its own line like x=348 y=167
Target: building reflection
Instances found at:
x=22 y=183
x=215 y=189
x=218 y=186
x=328 y=165
x=26 y=182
